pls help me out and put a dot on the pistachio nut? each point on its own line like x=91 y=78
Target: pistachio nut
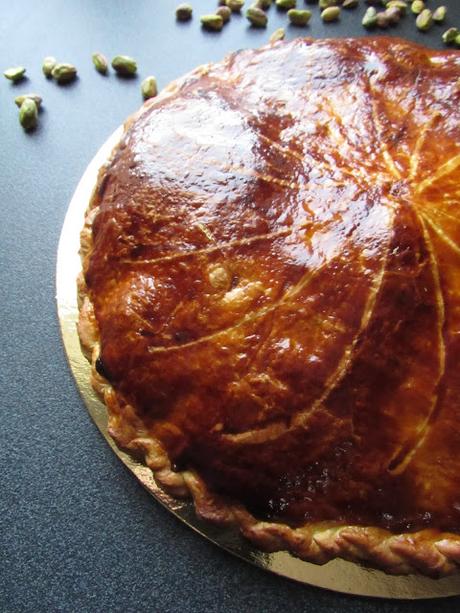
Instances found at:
x=184 y=12
x=35 y=97
x=212 y=22
x=277 y=35
x=440 y=14
x=398 y=4
x=124 y=65
x=28 y=114
x=299 y=17
x=285 y=5
x=332 y=13
x=48 y=64
x=424 y=20
x=64 y=73
x=324 y=4
x=235 y=5
x=393 y=15
x=149 y=87
x=370 y=18
x=417 y=7
x=224 y=12
x=263 y=4
x=450 y=35
x=15 y=74
x=256 y=17
x=100 y=62
x=350 y=4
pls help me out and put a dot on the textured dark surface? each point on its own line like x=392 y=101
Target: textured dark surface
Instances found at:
x=77 y=532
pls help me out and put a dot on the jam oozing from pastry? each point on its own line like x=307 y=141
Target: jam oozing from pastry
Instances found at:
x=275 y=274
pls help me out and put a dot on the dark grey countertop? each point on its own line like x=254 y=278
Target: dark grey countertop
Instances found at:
x=77 y=532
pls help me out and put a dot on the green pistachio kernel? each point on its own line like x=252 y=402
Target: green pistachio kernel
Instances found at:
x=48 y=64
x=224 y=12
x=332 y=13
x=393 y=15
x=64 y=73
x=398 y=4
x=263 y=4
x=15 y=74
x=382 y=20
x=299 y=17
x=100 y=62
x=417 y=7
x=256 y=17
x=285 y=5
x=35 y=97
x=450 y=35
x=212 y=22
x=184 y=12
x=440 y=14
x=350 y=4
x=277 y=35
x=235 y=5
x=424 y=20
x=28 y=114
x=124 y=65
x=370 y=18
x=324 y=4
x=149 y=88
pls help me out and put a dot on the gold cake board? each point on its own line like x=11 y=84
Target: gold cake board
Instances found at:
x=337 y=575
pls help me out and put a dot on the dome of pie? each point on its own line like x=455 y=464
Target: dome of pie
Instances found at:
x=271 y=297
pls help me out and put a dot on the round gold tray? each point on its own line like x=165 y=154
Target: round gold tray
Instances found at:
x=337 y=575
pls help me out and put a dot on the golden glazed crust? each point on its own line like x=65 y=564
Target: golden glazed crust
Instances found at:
x=270 y=298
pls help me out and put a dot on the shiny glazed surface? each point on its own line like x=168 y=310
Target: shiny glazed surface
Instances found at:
x=274 y=272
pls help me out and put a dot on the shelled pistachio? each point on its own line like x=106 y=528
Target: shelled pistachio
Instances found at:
x=235 y=5
x=417 y=7
x=35 y=97
x=184 y=12
x=212 y=22
x=332 y=13
x=48 y=64
x=450 y=35
x=424 y=20
x=28 y=114
x=439 y=14
x=285 y=5
x=149 y=88
x=263 y=4
x=100 y=62
x=299 y=17
x=398 y=4
x=124 y=65
x=225 y=13
x=256 y=17
x=15 y=74
x=393 y=15
x=370 y=18
x=64 y=73
x=277 y=35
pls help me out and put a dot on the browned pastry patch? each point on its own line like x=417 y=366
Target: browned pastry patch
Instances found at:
x=271 y=297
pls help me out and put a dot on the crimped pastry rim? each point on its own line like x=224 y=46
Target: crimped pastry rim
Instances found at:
x=426 y=552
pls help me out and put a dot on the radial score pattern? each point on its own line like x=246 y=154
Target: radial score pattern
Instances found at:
x=274 y=271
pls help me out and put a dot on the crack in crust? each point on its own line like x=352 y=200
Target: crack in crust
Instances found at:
x=428 y=551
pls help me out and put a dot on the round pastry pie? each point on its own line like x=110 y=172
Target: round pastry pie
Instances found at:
x=270 y=298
